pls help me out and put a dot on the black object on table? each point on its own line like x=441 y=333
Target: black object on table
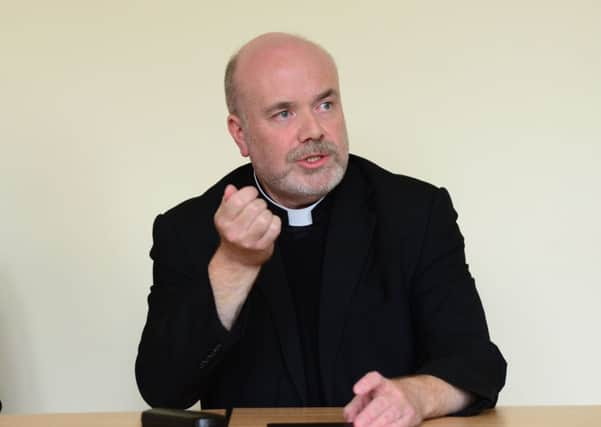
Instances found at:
x=160 y=417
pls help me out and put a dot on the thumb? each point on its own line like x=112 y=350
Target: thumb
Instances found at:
x=229 y=190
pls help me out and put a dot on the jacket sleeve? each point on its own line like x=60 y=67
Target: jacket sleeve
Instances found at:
x=452 y=334
x=183 y=340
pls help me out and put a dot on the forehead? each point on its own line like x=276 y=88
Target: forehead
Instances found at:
x=286 y=72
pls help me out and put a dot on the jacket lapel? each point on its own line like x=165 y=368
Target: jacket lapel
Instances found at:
x=272 y=282
x=348 y=241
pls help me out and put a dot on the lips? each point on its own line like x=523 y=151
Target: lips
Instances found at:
x=313 y=158
x=313 y=161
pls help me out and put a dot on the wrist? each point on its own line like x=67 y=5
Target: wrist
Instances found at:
x=230 y=282
x=417 y=391
x=235 y=266
x=434 y=397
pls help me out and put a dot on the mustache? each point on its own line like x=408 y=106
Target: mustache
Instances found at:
x=312 y=148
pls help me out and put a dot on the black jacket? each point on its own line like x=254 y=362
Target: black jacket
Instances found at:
x=397 y=297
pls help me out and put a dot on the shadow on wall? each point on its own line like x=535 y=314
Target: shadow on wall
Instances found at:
x=18 y=379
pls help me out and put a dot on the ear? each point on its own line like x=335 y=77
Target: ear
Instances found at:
x=234 y=125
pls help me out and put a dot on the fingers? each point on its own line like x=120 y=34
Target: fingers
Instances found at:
x=352 y=409
x=385 y=410
x=247 y=227
x=376 y=413
x=273 y=231
x=234 y=201
x=362 y=389
x=250 y=214
x=379 y=402
x=229 y=190
x=368 y=382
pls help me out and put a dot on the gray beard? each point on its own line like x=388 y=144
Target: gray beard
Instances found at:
x=290 y=188
x=283 y=184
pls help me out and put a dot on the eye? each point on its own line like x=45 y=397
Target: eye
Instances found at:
x=284 y=114
x=326 y=105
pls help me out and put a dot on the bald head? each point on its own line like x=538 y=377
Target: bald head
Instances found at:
x=264 y=50
x=286 y=115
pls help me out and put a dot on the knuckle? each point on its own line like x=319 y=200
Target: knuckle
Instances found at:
x=265 y=218
x=247 y=194
x=276 y=224
x=218 y=216
x=251 y=191
x=261 y=224
x=260 y=246
x=254 y=208
x=261 y=203
x=249 y=246
x=236 y=203
x=269 y=251
x=218 y=222
x=231 y=235
x=398 y=392
x=374 y=375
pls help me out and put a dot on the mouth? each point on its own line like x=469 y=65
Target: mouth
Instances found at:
x=314 y=158
x=313 y=161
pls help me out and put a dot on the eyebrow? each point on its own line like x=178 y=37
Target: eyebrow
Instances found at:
x=326 y=94
x=286 y=105
x=282 y=105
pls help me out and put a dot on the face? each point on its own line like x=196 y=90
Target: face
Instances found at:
x=291 y=122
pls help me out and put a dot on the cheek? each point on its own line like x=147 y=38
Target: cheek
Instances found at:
x=268 y=150
x=337 y=128
x=276 y=140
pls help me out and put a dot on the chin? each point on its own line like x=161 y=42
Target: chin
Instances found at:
x=321 y=187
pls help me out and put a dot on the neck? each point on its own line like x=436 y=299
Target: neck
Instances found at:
x=297 y=216
x=299 y=202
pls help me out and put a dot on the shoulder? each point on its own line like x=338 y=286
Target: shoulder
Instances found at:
x=392 y=190
x=186 y=234
x=202 y=207
x=402 y=205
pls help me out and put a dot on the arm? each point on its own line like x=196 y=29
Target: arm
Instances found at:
x=182 y=326
x=458 y=369
x=247 y=231
x=451 y=331
x=191 y=309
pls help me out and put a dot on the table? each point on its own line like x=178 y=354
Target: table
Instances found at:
x=517 y=416
x=508 y=416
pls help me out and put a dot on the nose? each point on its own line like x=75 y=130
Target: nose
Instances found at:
x=310 y=128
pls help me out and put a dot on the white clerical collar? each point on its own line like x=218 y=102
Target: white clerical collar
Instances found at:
x=296 y=217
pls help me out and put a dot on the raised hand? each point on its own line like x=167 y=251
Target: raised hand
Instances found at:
x=247 y=231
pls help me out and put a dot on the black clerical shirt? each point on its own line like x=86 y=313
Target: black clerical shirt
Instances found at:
x=302 y=250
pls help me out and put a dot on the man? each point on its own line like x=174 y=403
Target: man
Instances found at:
x=312 y=277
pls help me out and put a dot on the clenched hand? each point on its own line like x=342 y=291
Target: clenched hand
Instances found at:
x=247 y=231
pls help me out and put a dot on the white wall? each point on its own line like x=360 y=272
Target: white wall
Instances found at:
x=112 y=111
